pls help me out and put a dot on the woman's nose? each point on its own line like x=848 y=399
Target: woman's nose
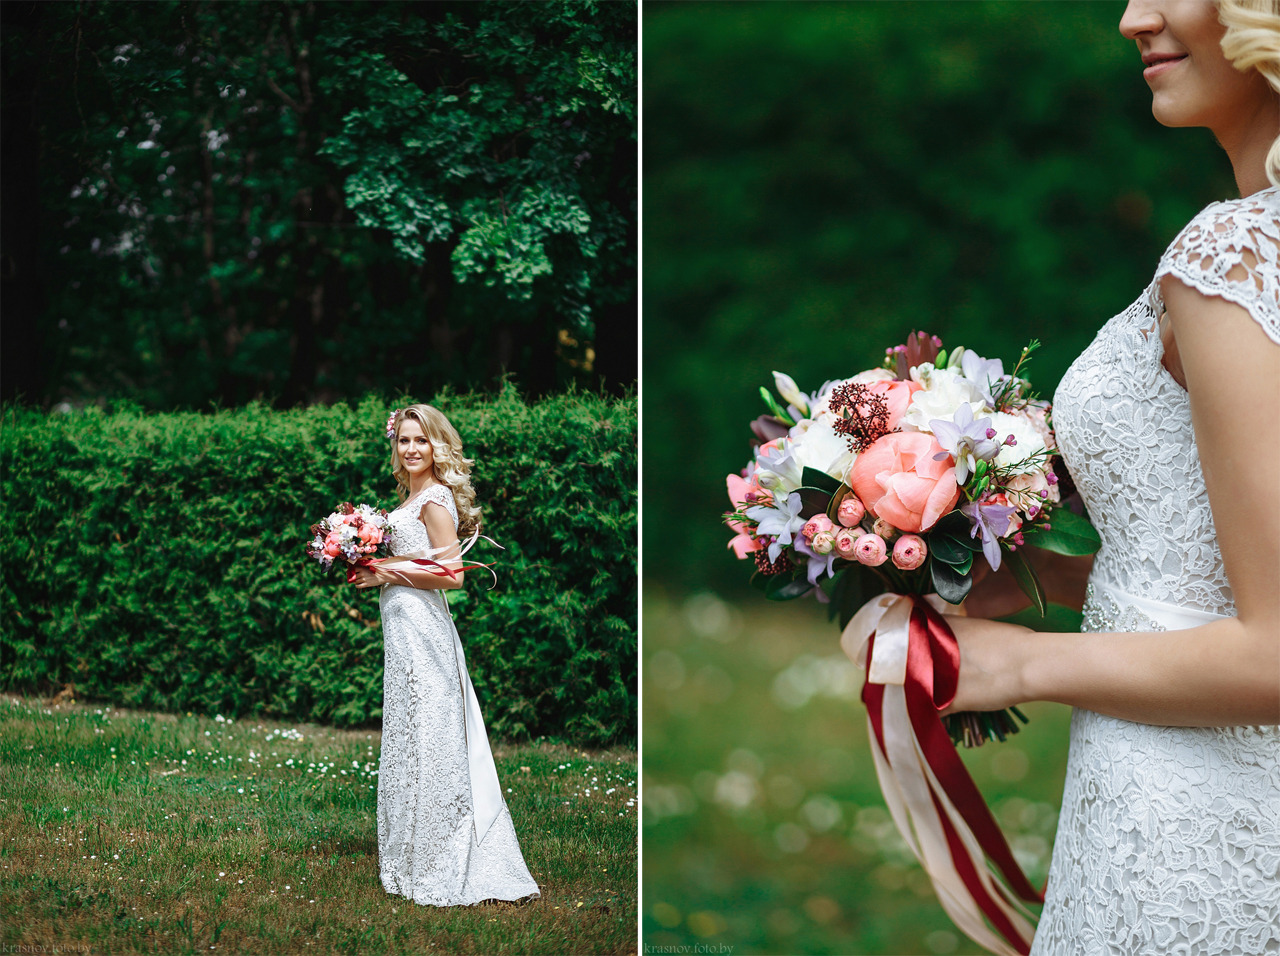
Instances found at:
x=1141 y=16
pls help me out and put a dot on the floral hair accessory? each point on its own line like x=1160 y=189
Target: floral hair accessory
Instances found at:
x=391 y=423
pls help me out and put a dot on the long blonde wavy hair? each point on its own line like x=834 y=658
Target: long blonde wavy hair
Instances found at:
x=448 y=464
x=1252 y=42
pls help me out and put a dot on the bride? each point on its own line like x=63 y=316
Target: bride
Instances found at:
x=1169 y=837
x=445 y=835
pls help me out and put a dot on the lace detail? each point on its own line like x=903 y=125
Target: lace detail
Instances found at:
x=1169 y=837
x=426 y=839
x=1232 y=250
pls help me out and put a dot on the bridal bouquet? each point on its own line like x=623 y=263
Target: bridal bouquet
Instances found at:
x=352 y=534
x=900 y=478
x=879 y=494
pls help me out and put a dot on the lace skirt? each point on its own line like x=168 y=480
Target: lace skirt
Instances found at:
x=1169 y=837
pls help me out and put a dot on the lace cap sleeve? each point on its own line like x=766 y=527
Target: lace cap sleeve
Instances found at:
x=442 y=495
x=1231 y=250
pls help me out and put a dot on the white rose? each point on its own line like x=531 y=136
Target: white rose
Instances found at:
x=942 y=392
x=820 y=447
x=1028 y=439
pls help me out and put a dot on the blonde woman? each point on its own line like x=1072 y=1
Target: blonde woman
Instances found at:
x=445 y=835
x=1169 y=837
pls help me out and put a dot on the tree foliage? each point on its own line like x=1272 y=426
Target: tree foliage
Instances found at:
x=299 y=200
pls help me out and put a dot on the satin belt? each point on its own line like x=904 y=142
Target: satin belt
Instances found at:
x=1171 y=617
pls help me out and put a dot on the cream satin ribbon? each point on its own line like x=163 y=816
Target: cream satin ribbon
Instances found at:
x=909 y=785
x=486 y=792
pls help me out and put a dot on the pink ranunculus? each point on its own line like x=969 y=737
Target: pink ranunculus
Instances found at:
x=884 y=529
x=846 y=541
x=899 y=480
x=815 y=526
x=870 y=550
x=851 y=511
x=824 y=542
x=332 y=544
x=909 y=552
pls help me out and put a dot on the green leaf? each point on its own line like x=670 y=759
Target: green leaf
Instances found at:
x=783 y=588
x=1027 y=579
x=778 y=411
x=813 y=501
x=819 y=479
x=949 y=550
x=1068 y=534
x=953 y=524
x=952 y=586
x=834 y=507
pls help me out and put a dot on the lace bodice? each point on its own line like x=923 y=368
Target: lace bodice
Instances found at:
x=1169 y=837
x=408 y=532
x=1124 y=425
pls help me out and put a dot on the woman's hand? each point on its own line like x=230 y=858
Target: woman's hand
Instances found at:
x=991 y=663
x=365 y=576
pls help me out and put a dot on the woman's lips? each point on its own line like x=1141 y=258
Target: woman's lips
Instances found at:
x=1161 y=65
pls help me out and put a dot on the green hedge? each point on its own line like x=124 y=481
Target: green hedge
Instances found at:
x=156 y=560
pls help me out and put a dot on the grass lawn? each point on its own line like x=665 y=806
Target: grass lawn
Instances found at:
x=130 y=832
x=764 y=827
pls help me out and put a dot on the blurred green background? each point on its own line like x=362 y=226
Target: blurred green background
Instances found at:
x=819 y=180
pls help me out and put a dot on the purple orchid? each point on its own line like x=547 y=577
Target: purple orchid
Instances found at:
x=991 y=521
x=964 y=439
x=985 y=374
x=818 y=563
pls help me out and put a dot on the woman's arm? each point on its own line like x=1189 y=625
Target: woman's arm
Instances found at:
x=439 y=524
x=1221 y=673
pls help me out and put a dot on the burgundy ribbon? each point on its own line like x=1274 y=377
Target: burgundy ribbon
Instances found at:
x=932 y=674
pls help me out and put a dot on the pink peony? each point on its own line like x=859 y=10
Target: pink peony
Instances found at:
x=870 y=550
x=370 y=534
x=909 y=552
x=899 y=480
x=851 y=511
x=898 y=395
x=816 y=525
x=332 y=544
x=824 y=542
x=846 y=541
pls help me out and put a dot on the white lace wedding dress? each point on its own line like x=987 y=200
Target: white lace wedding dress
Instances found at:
x=1169 y=837
x=445 y=835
